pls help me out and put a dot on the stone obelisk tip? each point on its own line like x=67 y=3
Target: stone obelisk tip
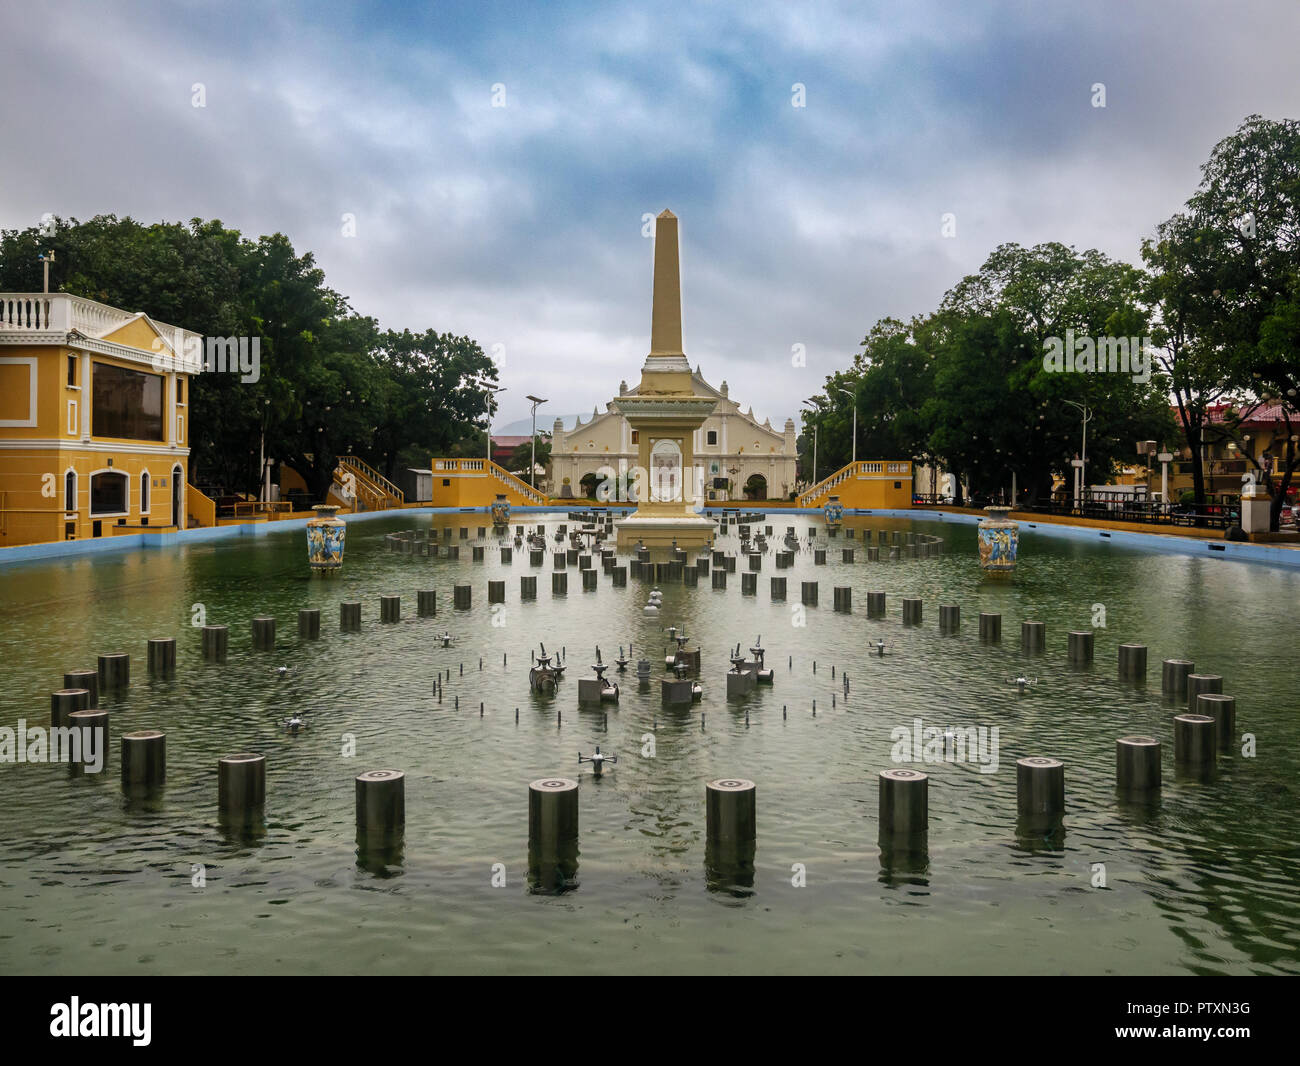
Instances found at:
x=666 y=317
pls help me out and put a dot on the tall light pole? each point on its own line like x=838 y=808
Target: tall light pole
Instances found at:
x=532 y=467
x=492 y=391
x=854 y=396
x=47 y=258
x=1083 y=454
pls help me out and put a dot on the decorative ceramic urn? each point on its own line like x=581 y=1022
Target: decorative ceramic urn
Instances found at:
x=999 y=539
x=834 y=511
x=500 y=510
x=325 y=534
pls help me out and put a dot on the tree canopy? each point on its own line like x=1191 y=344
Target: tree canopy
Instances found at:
x=331 y=383
x=968 y=385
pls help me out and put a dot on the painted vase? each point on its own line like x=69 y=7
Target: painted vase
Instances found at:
x=999 y=539
x=500 y=510
x=834 y=511
x=325 y=535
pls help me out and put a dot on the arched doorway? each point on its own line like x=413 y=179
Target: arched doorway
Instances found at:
x=756 y=487
x=588 y=485
x=178 y=490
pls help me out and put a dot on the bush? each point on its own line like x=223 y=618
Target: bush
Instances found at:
x=1187 y=498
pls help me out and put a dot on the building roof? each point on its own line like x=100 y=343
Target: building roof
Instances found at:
x=1263 y=414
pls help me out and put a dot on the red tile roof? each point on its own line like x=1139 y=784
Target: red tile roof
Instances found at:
x=1264 y=414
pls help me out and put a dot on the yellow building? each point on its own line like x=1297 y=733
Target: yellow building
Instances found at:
x=94 y=430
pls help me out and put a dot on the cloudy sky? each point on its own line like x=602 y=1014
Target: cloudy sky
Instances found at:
x=521 y=225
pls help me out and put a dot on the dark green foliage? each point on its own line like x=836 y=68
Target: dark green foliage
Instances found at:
x=330 y=384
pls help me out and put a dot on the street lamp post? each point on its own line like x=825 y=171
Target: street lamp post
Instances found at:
x=852 y=395
x=1083 y=454
x=532 y=466
x=47 y=258
x=492 y=391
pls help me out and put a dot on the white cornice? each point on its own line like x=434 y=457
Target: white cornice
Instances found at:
x=665 y=406
x=159 y=362
x=46 y=444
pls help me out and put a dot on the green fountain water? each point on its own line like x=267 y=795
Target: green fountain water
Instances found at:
x=1203 y=882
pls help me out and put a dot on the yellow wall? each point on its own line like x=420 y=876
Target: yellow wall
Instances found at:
x=136 y=334
x=890 y=492
x=875 y=484
x=32 y=476
x=32 y=484
x=291 y=480
x=50 y=391
x=15 y=391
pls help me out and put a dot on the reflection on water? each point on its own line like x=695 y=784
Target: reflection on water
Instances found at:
x=905 y=859
x=381 y=852
x=1200 y=877
x=1040 y=833
x=729 y=867
x=552 y=867
x=243 y=828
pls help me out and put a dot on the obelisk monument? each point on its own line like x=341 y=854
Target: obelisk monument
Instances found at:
x=665 y=413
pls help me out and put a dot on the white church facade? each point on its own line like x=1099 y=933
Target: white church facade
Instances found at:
x=741 y=458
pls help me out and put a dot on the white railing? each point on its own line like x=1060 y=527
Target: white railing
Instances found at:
x=378 y=482
x=520 y=486
x=824 y=485
x=58 y=312
x=27 y=312
x=61 y=312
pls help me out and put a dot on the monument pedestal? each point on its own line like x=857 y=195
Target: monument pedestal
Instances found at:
x=689 y=531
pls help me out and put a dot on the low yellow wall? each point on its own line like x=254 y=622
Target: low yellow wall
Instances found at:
x=203 y=508
x=868 y=485
x=32 y=492
x=472 y=483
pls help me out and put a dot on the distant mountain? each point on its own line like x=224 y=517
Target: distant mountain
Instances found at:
x=524 y=426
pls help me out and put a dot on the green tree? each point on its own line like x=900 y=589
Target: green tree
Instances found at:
x=522 y=456
x=1228 y=285
x=1041 y=293
x=435 y=397
x=329 y=383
